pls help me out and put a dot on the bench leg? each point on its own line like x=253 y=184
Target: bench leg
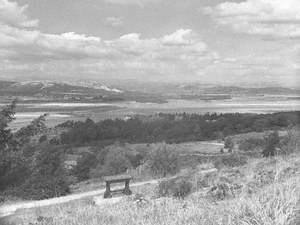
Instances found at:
x=127 y=190
x=107 y=193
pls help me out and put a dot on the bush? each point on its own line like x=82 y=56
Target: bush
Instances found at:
x=224 y=190
x=291 y=143
x=42 y=187
x=178 y=188
x=251 y=144
x=229 y=144
x=135 y=159
x=233 y=160
x=115 y=162
x=43 y=138
x=272 y=142
x=165 y=188
x=182 y=189
x=85 y=163
x=163 y=161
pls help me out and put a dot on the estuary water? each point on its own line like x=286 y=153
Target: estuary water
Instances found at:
x=60 y=112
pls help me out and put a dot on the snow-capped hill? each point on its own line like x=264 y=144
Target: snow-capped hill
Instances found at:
x=96 y=85
x=36 y=84
x=50 y=88
x=75 y=91
x=104 y=87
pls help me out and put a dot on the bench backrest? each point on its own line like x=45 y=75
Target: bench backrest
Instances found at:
x=117 y=178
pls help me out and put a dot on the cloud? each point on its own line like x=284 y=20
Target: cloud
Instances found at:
x=182 y=51
x=131 y=2
x=274 y=18
x=34 y=45
x=180 y=55
x=180 y=37
x=20 y=44
x=14 y=15
x=114 y=21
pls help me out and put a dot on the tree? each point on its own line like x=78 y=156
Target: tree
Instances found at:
x=37 y=126
x=163 y=160
x=229 y=144
x=85 y=163
x=6 y=116
x=48 y=178
x=272 y=141
x=27 y=169
x=116 y=161
x=13 y=166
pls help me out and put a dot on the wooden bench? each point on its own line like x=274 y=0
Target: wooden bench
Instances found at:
x=117 y=179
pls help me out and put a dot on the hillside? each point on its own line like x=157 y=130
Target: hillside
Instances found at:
x=49 y=90
x=235 y=90
x=263 y=191
x=225 y=180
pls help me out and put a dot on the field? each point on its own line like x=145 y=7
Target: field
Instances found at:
x=201 y=147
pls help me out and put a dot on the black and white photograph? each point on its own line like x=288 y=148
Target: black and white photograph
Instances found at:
x=149 y=112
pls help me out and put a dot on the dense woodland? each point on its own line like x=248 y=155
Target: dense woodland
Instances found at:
x=174 y=128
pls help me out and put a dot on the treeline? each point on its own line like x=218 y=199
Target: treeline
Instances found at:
x=174 y=128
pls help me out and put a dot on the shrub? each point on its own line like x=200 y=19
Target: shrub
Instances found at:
x=178 y=188
x=206 y=180
x=229 y=144
x=251 y=144
x=272 y=142
x=115 y=162
x=182 y=188
x=135 y=159
x=233 y=160
x=54 y=141
x=43 y=138
x=84 y=164
x=42 y=187
x=163 y=161
x=291 y=142
x=165 y=188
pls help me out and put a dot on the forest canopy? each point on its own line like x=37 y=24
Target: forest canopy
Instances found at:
x=174 y=127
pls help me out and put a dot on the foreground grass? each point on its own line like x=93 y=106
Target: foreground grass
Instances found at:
x=270 y=196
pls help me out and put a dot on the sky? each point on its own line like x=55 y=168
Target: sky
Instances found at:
x=253 y=42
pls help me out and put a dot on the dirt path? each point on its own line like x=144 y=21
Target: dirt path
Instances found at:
x=7 y=210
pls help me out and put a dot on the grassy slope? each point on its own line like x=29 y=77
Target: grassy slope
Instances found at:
x=269 y=196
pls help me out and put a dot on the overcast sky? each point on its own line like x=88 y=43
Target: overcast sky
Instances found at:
x=236 y=41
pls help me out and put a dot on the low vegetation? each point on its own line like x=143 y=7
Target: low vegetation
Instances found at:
x=178 y=188
x=263 y=191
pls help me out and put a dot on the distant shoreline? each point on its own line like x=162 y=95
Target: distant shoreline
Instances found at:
x=60 y=112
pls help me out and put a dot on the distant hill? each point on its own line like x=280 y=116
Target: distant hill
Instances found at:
x=241 y=90
x=70 y=91
x=41 y=87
